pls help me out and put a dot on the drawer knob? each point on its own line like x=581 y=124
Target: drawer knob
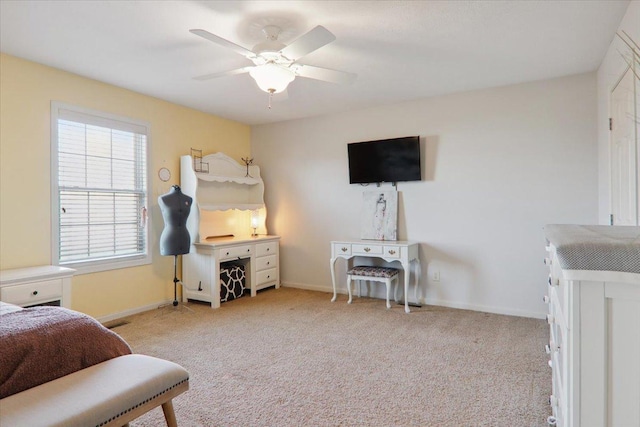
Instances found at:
x=392 y=252
x=550 y=363
x=553 y=401
x=249 y=249
x=547 y=349
x=34 y=293
x=546 y=299
x=550 y=319
x=227 y=252
x=268 y=277
x=553 y=282
x=367 y=249
x=268 y=262
x=268 y=249
x=547 y=261
x=343 y=249
x=551 y=421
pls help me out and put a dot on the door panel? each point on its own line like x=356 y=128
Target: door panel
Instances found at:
x=624 y=151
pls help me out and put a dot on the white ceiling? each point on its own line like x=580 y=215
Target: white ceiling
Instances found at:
x=400 y=50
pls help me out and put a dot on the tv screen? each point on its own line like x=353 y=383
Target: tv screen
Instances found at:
x=386 y=160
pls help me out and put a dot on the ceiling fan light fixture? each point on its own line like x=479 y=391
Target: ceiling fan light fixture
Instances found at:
x=272 y=78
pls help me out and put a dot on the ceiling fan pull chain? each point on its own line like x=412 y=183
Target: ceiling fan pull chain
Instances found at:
x=270 y=97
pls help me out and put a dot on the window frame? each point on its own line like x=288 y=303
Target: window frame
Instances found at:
x=111 y=262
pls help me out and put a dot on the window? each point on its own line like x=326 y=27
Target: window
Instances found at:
x=99 y=190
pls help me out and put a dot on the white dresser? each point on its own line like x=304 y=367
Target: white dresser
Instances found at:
x=593 y=294
x=46 y=284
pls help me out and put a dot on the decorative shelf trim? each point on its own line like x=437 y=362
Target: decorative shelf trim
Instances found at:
x=237 y=179
x=223 y=168
x=227 y=206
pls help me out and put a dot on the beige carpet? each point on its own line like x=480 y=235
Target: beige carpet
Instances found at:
x=290 y=357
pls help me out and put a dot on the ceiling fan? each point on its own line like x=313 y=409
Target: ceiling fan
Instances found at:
x=275 y=64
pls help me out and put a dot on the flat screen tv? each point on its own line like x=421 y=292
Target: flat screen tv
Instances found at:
x=385 y=160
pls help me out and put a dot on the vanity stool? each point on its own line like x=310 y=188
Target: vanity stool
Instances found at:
x=387 y=275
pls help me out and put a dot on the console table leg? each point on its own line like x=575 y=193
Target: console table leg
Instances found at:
x=332 y=264
x=416 y=279
x=407 y=276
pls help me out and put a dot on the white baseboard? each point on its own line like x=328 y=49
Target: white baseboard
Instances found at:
x=485 y=309
x=429 y=301
x=131 y=312
x=308 y=287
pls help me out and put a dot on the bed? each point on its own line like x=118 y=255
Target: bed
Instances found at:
x=62 y=367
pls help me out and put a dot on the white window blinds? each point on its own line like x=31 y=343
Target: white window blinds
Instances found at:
x=100 y=187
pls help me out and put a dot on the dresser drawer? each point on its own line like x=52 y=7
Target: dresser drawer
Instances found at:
x=367 y=249
x=341 y=249
x=263 y=263
x=269 y=248
x=32 y=293
x=235 y=252
x=266 y=276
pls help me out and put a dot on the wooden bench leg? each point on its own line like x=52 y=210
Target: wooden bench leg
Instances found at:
x=169 y=415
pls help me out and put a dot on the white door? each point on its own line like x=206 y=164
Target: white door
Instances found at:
x=624 y=151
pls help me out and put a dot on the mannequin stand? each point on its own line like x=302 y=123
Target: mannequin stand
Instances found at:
x=175 y=302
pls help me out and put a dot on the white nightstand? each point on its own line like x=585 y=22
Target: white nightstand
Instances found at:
x=29 y=286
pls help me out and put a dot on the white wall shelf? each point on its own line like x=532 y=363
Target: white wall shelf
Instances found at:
x=224 y=187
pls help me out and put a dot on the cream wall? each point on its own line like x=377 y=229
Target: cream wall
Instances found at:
x=498 y=165
x=609 y=73
x=27 y=90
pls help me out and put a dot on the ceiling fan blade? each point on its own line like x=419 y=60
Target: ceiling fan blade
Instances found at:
x=223 y=42
x=307 y=43
x=324 y=74
x=224 y=73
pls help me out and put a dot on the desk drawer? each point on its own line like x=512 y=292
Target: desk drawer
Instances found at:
x=367 y=249
x=341 y=249
x=235 y=252
x=269 y=248
x=266 y=276
x=263 y=263
x=392 y=252
x=32 y=293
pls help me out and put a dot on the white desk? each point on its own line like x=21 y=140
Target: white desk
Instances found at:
x=398 y=250
x=201 y=268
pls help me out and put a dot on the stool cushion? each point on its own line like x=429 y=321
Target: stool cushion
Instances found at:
x=369 y=271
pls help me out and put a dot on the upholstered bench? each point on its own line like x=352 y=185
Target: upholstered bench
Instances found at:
x=386 y=275
x=111 y=393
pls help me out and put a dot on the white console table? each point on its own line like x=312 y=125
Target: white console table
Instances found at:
x=406 y=253
x=260 y=254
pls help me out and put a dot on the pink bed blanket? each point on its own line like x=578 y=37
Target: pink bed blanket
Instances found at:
x=41 y=344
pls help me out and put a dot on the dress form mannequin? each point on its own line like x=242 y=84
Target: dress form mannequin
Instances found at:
x=175 y=239
x=175 y=207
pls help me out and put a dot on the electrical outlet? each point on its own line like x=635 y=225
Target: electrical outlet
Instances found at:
x=436 y=276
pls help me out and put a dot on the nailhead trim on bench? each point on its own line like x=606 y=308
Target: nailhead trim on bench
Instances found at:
x=140 y=404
